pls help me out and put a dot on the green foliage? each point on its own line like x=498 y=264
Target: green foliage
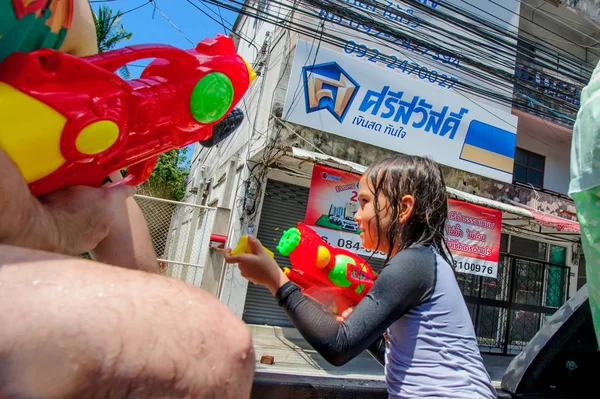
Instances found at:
x=169 y=176
x=110 y=32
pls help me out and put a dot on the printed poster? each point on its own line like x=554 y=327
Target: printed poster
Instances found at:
x=473 y=236
x=332 y=203
x=472 y=232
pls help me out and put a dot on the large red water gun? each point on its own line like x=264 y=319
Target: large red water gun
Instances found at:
x=66 y=120
x=334 y=277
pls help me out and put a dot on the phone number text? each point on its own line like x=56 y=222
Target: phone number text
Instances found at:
x=393 y=62
x=350 y=245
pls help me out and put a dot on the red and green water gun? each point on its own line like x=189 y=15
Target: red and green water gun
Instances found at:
x=66 y=120
x=334 y=277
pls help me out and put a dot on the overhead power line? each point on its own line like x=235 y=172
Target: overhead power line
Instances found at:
x=486 y=50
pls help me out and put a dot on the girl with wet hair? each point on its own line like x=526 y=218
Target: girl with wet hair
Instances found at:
x=430 y=349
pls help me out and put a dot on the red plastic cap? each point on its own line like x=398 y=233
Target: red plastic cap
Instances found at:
x=220 y=44
x=218 y=238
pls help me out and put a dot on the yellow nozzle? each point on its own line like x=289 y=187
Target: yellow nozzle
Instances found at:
x=33 y=146
x=243 y=247
x=323 y=257
x=286 y=271
x=251 y=73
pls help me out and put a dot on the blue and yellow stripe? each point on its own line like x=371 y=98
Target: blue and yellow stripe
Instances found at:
x=490 y=146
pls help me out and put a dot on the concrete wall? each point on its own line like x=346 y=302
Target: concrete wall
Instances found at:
x=588 y=8
x=259 y=133
x=556 y=173
x=540 y=20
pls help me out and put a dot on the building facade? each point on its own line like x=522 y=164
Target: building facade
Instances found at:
x=260 y=178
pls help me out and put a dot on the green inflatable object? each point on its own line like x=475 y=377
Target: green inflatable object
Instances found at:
x=585 y=187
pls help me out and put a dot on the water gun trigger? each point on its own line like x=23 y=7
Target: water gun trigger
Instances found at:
x=136 y=174
x=140 y=172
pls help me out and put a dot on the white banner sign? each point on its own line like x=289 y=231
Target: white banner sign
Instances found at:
x=419 y=60
x=343 y=95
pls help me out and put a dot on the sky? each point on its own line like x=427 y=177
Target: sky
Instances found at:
x=149 y=26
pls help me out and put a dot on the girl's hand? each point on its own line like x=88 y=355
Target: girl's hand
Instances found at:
x=258 y=266
x=344 y=316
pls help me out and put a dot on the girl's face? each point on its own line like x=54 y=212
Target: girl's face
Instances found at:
x=365 y=217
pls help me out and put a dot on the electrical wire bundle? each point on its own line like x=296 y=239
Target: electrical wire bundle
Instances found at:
x=484 y=49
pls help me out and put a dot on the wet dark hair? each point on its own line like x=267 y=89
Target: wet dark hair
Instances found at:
x=401 y=175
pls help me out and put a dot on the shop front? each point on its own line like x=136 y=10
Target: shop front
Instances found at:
x=510 y=289
x=533 y=281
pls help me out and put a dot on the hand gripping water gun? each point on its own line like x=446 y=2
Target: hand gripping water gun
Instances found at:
x=67 y=121
x=331 y=276
x=243 y=247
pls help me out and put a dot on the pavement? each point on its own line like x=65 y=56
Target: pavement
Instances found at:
x=296 y=363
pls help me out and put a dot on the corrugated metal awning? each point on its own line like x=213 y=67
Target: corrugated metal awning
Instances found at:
x=547 y=220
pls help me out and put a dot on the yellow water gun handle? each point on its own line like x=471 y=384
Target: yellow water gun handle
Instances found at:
x=243 y=247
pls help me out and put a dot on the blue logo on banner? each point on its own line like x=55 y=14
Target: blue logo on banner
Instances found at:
x=328 y=86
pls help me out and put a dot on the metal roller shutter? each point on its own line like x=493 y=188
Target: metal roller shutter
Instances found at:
x=284 y=205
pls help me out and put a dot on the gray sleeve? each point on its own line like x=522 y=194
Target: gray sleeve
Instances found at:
x=406 y=281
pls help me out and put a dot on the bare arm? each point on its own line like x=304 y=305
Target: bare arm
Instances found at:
x=81 y=37
x=72 y=328
x=20 y=212
x=128 y=243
